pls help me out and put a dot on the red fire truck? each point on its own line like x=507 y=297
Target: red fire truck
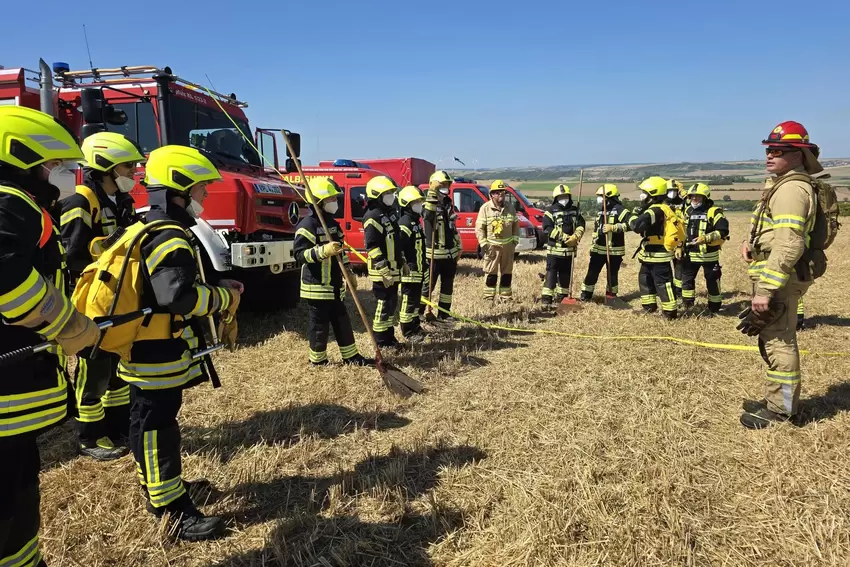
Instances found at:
x=250 y=215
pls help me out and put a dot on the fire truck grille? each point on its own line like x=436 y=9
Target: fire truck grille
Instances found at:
x=269 y=220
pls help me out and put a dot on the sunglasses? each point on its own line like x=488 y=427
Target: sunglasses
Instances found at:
x=777 y=152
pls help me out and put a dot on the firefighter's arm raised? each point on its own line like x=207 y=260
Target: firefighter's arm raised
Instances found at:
x=173 y=272
x=26 y=298
x=76 y=229
x=789 y=207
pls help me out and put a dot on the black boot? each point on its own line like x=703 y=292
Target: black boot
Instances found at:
x=801 y=322
x=762 y=418
x=359 y=360
x=585 y=296
x=186 y=522
x=752 y=406
x=103 y=449
x=670 y=315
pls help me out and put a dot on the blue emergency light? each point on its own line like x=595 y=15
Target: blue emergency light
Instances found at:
x=60 y=67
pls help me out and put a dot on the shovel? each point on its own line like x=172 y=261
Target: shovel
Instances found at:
x=569 y=304
x=394 y=379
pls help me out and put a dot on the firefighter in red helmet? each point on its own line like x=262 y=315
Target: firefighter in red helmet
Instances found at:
x=780 y=257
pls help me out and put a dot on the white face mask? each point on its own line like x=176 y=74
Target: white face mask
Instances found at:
x=388 y=199
x=331 y=208
x=416 y=208
x=564 y=202
x=62 y=178
x=672 y=194
x=195 y=209
x=696 y=203
x=599 y=200
x=644 y=196
x=444 y=192
x=125 y=184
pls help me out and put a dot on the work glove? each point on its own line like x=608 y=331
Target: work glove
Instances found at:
x=701 y=239
x=753 y=323
x=331 y=249
x=78 y=333
x=606 y=228
x=228 y=330
x=571 y=241
x=383 y=270
x=678 y=252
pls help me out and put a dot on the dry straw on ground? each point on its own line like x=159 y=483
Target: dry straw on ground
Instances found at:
x=526 y=450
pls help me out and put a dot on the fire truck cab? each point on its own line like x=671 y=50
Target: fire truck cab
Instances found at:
x=249 y=216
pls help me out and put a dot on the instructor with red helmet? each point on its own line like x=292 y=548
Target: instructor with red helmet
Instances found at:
x=782 y=265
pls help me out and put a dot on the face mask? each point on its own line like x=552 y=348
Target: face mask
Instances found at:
x=599 y=201
x=62 y=178
x=125 y=184
x=444 y=192
x=388 y=199
x=644 y=196
x=696 y=204
x=195 y=209
x=672 y=194
x=331 y=208
x=416 y=208
x=563 y=202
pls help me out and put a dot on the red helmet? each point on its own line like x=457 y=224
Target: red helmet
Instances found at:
x=789 y=133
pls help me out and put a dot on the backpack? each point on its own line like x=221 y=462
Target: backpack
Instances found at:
x=674 y=228
x=112 y=285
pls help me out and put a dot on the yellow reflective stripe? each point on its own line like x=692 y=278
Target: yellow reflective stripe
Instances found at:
x=789 y=221
x=54 y=327
x=775 y=277
x=306 y=234
x=160 y=252
x=28 y=556
x=116 y=398
x=783 y=377
x=374 y=223
x=406 y=230
x=225 y=296
x=24 y=297
x=20 y=402
x=151 y=451
x=150 y=380
x=203 y=302
x=77 y=213
x=32 y=421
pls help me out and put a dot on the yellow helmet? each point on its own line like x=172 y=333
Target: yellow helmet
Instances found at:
x=104 y=150
x=29 y=138
x=700 y=189
x=321 y=189
x=561 y=190
x=674 y=184
x=608 y=190
x=654 y=186
x=439 y=177
x=409 y=194
x=498 y=185
x=377 y=186
x=178 y=168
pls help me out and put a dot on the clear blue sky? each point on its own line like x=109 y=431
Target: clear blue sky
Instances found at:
x=504 y=83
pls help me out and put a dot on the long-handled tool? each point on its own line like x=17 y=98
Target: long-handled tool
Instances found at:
x=569 y=303
x=397 y=381
x=103 y=323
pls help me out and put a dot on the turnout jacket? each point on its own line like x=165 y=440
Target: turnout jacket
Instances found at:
x=618 y=217
x=381 y=235
x=560 y=221
x=321 y=278
x=33 y=391
x=412 y=246
x=780 y=231
x=89 y=215
x=161 y=357
x=650 y=224
x=441 y=212
x=707 y=221
x=496 y=226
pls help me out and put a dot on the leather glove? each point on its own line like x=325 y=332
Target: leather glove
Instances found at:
x=677 y=253
x=701 y=239
x=78 y=333
x=228 y=330
x=388 y=279
x=606 y=228
x=571 y=242
x=331 y=249
x=753 y=323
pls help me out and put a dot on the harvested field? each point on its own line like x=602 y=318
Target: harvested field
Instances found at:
x=528 y=449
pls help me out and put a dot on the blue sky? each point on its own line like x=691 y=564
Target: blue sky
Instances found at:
x=495 y=83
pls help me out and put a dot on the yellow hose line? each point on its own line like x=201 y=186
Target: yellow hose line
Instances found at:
x=689 y=342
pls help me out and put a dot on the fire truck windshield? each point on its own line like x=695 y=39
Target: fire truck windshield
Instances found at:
x=209 y=129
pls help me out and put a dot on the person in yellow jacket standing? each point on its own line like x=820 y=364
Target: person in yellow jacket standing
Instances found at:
x=779 y=268
x=705 y=232
x=33 y=308
x=563 y=226
x=160 y=363
x=497 y=230
x=97 y=209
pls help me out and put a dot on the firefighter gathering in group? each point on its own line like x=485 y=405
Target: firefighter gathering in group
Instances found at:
x=63 y=258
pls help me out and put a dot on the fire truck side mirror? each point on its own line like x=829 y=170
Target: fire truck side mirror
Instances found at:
x=295 y=140
x=290 y=166
x=96 y=111
x=115 y=116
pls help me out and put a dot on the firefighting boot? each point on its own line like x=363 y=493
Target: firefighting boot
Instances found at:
x=752 y=406
x=762 y=418
x=670 y=315
x=608 y=296
x=186 y=522
x=359 y=360
x=586 y=296
x=801 y=322
x=103 y=449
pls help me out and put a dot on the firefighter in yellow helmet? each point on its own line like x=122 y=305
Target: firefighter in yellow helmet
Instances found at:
x=160 y=363
x=676 y=193
x=442 y=240
x=414 y=270
x=563 y=226
x=656 y=276
x=34 y=159
x=99 y=207
x=612 y=222
x=497 y=230
x=322 y=283
x=381 y=235
x=705 y=232
x=781 y=256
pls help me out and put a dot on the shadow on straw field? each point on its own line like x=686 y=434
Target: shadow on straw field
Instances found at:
x=285 y=426
x=835 y=400
x=320 y=519
x=827 y=321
